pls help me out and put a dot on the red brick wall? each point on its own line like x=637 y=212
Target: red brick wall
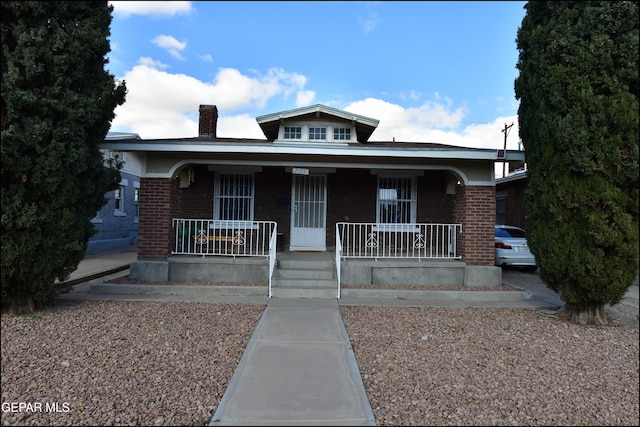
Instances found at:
x=434 y=204
x=272 y=201
x=197 y=200
x=351 y=197
x=156 y=213
x=476 y=211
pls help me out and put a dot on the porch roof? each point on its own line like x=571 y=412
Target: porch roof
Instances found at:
x=384 y=149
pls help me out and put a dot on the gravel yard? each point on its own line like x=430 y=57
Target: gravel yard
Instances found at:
x=122 y=362
x=479 y=366
x=168 y=363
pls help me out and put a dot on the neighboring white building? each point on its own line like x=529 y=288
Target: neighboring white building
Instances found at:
x=117 y=221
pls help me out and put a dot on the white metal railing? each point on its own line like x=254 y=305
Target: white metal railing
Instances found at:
x=272 y=254
x=338 y=257
x=402 y=241
x=228 y=238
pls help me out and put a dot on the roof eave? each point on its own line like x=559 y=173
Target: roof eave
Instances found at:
x=262 y=147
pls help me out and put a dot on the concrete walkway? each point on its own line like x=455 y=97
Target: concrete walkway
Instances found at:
x=298 y=369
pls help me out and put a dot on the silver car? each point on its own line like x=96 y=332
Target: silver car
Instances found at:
x=512 y=249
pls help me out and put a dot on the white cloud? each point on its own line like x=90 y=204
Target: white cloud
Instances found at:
x=171 y=45
x=411 y=96
x=371 y=21
x=152 y=63
x=154 y=9
x=433 y=122
x=305 y=97
x=206 y=58
x=408 y=121
x=164 y=105
x=239 y=126
x=421 y=125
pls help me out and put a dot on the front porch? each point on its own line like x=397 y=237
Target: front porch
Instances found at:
x=384 y=274
x=364 y=254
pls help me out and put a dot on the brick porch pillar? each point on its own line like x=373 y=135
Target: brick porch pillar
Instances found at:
x=475 y=209
x=155 y=236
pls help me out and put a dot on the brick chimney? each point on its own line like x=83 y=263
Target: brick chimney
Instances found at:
x=208 y=121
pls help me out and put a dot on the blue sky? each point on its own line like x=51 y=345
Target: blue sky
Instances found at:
x=429 y=71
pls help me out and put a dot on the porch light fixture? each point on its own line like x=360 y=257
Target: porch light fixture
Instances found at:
x=191 y=176
x=186 y=178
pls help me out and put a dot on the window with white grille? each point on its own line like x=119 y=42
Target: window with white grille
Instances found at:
x=396 y=200
x=292 y=132
x=233 y=197
x=317 y=133
x=341 y=134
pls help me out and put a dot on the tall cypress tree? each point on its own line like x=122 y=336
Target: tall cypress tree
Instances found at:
x=57 y=106
x=578 y=117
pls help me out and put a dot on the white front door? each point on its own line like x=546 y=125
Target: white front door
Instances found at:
x=308 y=213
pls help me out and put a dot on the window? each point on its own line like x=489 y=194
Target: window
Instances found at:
x=341 y=134
x=396 y=200
x=233 y=199
x=118 y=196
x=136 y=203
x=317 y=134
x=292 y=132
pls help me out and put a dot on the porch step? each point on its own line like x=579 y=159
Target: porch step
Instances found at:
x=304 y=278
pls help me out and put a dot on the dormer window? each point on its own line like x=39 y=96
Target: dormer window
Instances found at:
x=292 y=132
x=316 y=133
x=341 y=134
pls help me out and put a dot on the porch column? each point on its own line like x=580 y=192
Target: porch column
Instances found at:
x=476 y=210
x=156 y=212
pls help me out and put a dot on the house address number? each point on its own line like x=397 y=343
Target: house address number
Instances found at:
x=300 y=171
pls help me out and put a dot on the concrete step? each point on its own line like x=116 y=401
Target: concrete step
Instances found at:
x=304 y=278
x=300 y=278
x=311 y=273
x=304 y=283
x=319 y=293
x=305 y=264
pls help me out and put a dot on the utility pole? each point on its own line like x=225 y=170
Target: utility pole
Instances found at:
x=506 y=133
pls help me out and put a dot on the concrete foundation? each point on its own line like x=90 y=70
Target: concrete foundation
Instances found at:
x=432 y=273
x=151 y=271
x=198 y=269
x=476 y=276
x=352 y=272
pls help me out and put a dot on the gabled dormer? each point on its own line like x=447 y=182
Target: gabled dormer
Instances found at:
x=317 y=124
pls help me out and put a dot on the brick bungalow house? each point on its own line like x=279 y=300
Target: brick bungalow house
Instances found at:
x=384 y=212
